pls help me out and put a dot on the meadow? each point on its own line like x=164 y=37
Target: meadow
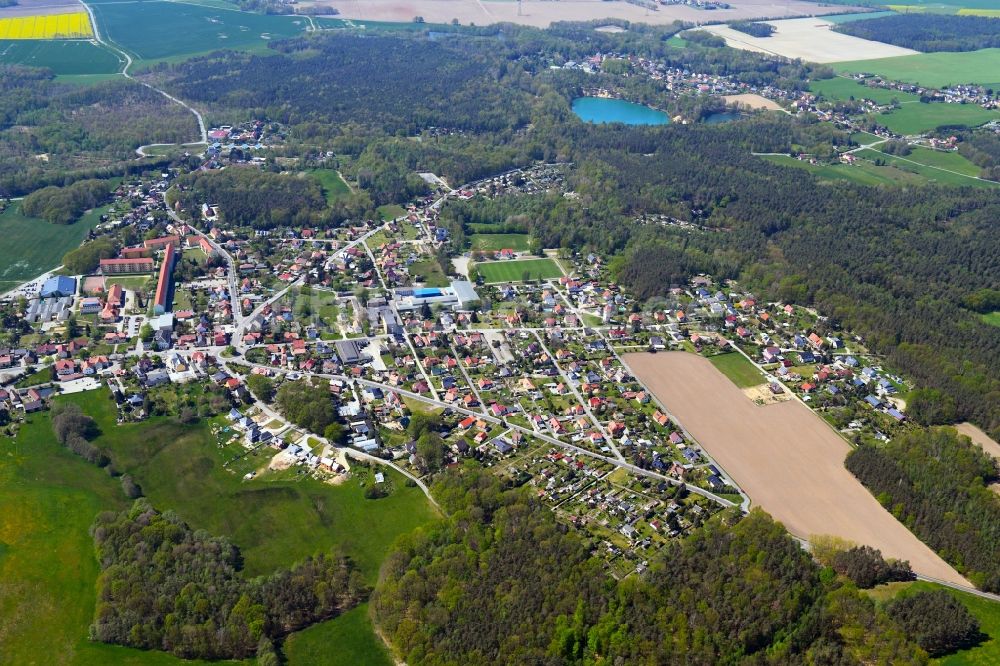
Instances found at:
x=157 y=29
x=992 y=318
x=862 y=172
x=984 y=610
x=62 y=57
x=74 y=25
x=32 y=246
x=50 y=498
x=916 y=118
x=494 y=242
x=934 y=69
x=346 y=640
x=519 y=270
x=333 y=184
x=842 y=88
x=739 y=370
x=930 y=172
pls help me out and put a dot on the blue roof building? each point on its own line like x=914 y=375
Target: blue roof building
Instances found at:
x=58 y=286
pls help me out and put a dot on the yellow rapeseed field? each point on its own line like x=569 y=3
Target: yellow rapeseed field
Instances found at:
x=52 y=26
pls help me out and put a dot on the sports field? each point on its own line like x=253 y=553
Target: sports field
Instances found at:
x=157 y=30
x=784 y=456
x=519 y=271
x=739 y=370
x=916 y=118
x=934 y=69
x=31 y=246
x=494 y=242
x=51 y=26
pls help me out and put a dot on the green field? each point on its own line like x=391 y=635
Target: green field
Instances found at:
x=345 y=641
x=61 y=56
x=992 y=318
x=390 y=211
x=494 y=242
x=927 y=170
x=32 y=246
x=840 y=88
x=952 y=161
x=862 y=16
x=987 y=612
x=863 y=172
x=156 y=29
x=334 y=186
x=916 y=118
x=934 y=69
x=518 y=271
x=50 y=498
x=739 y=370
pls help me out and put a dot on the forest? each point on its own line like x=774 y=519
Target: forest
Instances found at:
x=63 y=205
x=934 y=481
x=928 y=32
x=166 y=587
x=982 y=148
x=53 y=133
x=500 y=581
x=753 y=28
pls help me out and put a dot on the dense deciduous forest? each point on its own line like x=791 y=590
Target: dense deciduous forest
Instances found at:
x=501 y=582
x=63 y=205
x=164 y=586
x=254 y=198
x=934 y=482
x=928 y=32
x=983 y=149
x=53 y=133
x=753 y=28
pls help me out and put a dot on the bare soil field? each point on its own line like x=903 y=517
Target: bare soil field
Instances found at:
x=785 y=457
x=979 y=437
x=753 y=101
x=542 y=13
x=809 y=39
x=41 y=8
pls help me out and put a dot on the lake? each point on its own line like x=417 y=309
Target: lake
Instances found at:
x=606 y=110
x=721 y=117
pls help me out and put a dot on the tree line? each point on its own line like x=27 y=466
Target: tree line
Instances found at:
x=164 y=586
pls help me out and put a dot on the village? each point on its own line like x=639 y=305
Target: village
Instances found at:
x=526 y=377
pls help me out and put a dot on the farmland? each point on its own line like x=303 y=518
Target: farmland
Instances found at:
x=863 y=172
x=916 y=118
x=62 y=57
x=518 y=271
x=842 y=88
x=934 y=69
x=807 y=38
x=494 y=242
x=158 y=30
x=51 y=26
x=929 y=171
x=785 y=457
x=739 y=370
x=32 y=246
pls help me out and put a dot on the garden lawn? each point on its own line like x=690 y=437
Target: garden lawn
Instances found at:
x=918 y=117
x=391 y=211
x=935 y=70
x=739 y=370
x=494 y=242
x=32 y=246
x=520 y=270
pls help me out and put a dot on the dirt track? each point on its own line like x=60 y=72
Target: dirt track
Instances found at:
x=785 y=457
